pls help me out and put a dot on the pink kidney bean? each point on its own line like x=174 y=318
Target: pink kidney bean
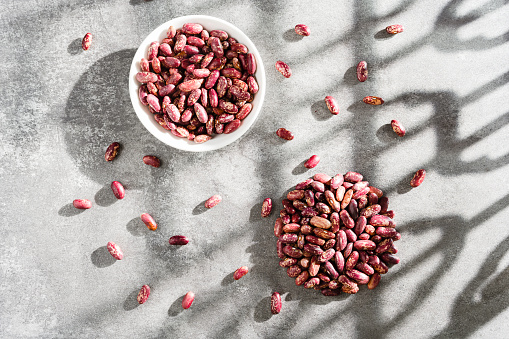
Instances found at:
x=213 y=201
x=153 y=50
x=118 y=190
x=149 y=221
x=82 y=204
x=188 y=300
x=145 y=77
x=312 y=161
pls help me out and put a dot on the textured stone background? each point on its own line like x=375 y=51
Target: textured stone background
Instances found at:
x=444 y=78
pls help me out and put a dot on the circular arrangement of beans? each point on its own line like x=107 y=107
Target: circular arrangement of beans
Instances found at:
x=336 y=233
x=198 y=83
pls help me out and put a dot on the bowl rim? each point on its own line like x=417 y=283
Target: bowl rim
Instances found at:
x=219 y=140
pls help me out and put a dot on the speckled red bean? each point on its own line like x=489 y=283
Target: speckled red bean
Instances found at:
x=284 y=69
x=418 y=178
x=275 y=303
x=372 y=100
x=213 y=201
x=394 y=29
x=86 y=42
x=398 y=128
x=115 y=250
x=332 y=105
x=143 y=294
x=302 y=29
x=362 y=71
x=240 y=272
x=111 y=151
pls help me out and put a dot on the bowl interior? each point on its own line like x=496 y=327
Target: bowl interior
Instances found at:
x=146 y=118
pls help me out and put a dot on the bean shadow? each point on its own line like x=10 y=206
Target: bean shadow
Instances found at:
x=68 y=210
x=131 y=302
x=105 y=197
x=383 y=35
x=263 y=311
x=137 y=228
x=403 y=186
x=290 y=35
x=176 y=307
x=228 y=279
x=255 y=213
x=98 y=112
x=300 y=168
x=102 y=258
x=350 y=77
x=386 y=134
x=75 y=47
x=360 y=107
x=200 y=208
x=320 y=111
x=138 y=2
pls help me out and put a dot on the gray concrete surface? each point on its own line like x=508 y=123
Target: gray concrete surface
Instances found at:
x=445 y=78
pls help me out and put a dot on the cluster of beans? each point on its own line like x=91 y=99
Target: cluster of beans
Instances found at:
x=198 y=83
x=336 y=233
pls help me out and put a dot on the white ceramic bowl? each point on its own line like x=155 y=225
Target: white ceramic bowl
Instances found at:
x=218 y=140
